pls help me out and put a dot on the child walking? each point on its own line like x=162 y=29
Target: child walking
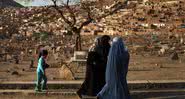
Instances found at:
x=41 y=76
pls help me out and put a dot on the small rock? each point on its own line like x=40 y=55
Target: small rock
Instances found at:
x=58 y=48
x=161 y=52
x=8 y=57
x=32 y=63
x=159 y=65
x=65 y=73
x=53 y=78
x=156 y=64
x=8 y=71
x=16 y=61
x=174 y=56
x=56 y=56
x=14 y=73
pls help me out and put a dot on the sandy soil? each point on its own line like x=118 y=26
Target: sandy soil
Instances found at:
x=142 y=67
x=36 y=97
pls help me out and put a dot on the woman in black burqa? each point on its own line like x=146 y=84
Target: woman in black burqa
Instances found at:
x=96 y=66
x=100 y=68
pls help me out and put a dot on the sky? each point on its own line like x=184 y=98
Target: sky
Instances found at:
x=35 y=2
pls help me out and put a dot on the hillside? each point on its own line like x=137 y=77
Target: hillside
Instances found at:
x=23 y=26
x=9 y=3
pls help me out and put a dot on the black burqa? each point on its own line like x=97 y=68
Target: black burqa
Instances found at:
x=95 y=69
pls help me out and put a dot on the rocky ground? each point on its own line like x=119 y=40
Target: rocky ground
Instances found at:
x=140 y=68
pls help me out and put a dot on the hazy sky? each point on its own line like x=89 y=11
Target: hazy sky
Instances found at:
x=36 y=2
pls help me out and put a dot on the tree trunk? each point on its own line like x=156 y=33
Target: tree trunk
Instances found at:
x=78 y=46
x=80 y=43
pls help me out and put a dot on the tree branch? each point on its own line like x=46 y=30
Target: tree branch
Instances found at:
x=72 y=14
x=85 y=23
x=61 y=12
x=86 y=7
x=67 y=2
x=116 y=7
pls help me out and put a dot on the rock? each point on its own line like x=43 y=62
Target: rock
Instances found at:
x=174 y=56
x=173 y=48
x=16 y=58
x=53 y=78
x=14 y=73
x=53 y=46
x=16 y=61
x=8 y=57
x=161 y=51
x=138 y=48
x=8 y=70
x=30 y=51
x=65 y=73
x=58 y=48
x=181 y=41
x=159 y=65
x=56 y=56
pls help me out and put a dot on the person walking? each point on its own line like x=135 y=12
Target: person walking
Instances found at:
x=95 y=69
x=41 y=75
x=99 y=70
x=92 y=60
x=116 y=72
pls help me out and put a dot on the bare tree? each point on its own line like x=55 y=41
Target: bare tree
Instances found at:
x=86 y=11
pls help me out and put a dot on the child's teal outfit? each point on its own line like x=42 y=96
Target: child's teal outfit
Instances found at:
x=41 y=75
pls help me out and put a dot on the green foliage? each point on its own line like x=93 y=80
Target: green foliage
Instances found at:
x=41 y=35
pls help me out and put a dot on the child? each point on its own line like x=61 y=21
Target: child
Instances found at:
x=41 y=76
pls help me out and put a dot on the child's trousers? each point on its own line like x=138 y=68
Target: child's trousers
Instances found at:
x=41 y=77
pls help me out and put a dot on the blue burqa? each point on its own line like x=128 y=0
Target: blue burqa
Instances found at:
x=117 y=67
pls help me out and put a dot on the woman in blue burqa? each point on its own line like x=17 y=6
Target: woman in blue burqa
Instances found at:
x=116 y=72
